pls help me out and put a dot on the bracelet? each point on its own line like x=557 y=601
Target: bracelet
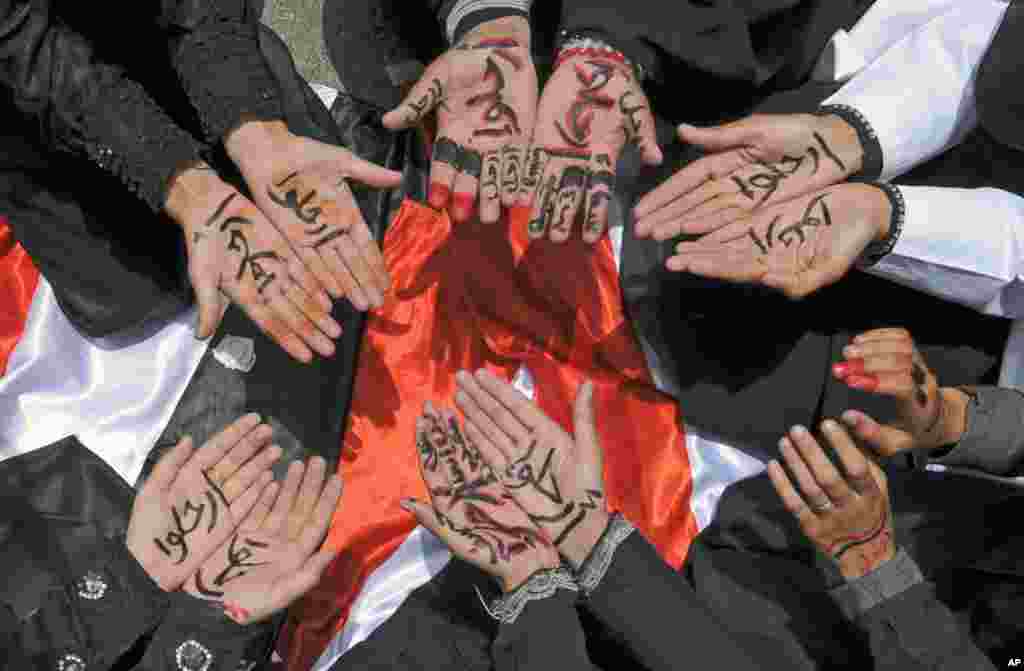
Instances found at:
x=575 y=44
x=879 y=248
x=871 y=165
x=540 y=585
x=597 y=563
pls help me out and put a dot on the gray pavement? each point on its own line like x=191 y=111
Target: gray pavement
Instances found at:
x=300 y=25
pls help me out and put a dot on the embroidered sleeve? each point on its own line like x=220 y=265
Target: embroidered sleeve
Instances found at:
x=541 y=585
x=594 y=568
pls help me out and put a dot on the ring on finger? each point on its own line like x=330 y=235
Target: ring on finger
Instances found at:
x=822 y=506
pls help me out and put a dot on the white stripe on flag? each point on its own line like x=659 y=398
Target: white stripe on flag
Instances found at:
x=115 y=394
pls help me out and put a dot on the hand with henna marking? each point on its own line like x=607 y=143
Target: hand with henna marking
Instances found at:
x=301 y=186
x=485 y=93
x=471 y=512
x=847 y=517
x=194 y=499
x=556 y=478
x=235 y=254
x=271 y=559
x=886 y=361
x=796 y=247
x=758 y=161
x=591 y=107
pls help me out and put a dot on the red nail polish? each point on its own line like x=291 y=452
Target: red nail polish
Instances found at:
x=438 y=196
x=463 y=205
x=863 y=382
x=841 y=370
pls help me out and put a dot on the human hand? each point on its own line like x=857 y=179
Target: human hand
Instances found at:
x=485 y=91
x=301 y=186
x=236 y=254
x=194 y=499
x=758 y=161
x=591 y=107
x=556 y=478
x=796 y=247
x=847 y=517
x=271 y=559
x=886 y=361
x=471 y=512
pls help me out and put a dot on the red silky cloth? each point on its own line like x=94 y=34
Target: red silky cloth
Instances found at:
x=483 y=295
x=18 y=281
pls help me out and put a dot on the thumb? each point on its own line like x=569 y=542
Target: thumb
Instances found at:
x=372 y=174
x=884 y=440
x=427 y=516
x=718 y=138
x=588 y=445
x=647 y=139
x=210 y=302
x=422 y=99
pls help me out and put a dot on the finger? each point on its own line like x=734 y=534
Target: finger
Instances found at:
x=873 y=348
x=484 y=425
x=723 y=264
x=210 y=301
x=263 y=506
x=512 y=156
x=367 y=245
x=429 y=450
x=443 y=168
x=600 y=186
x=215 y=448
x=543 y=205
x=251 y=472
x=666 y=222
x=166 y=470
x=532 y=177
x=317 y=268
x=309 y=494
x=240 y=453
x=301 y=276
x=289 y=306
x=467 y=183
x=371 y=174
x=421 y=101
x=585 y=428
x=810 y=490
x=312 y=311
x=899 y=385
x=855 y=465
x=241 y=508
x=492 y=400
x=490 y=188
x=821 y=467
x=720 y=138
x=428 y=517
x=883 y=334
x=642 y=128
x=270 y=322
x=699 y=173
x=319 y=520
x=883 y=439
x=359 y=268
x=302 y=580
x=491 y=453
x=350 y=286
x=791 y=499
x=285 y=501
x=712 y=215
x=881 y=364
x=571 y=188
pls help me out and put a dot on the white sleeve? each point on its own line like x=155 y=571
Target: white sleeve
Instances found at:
x=962 y=245
x=918 y=96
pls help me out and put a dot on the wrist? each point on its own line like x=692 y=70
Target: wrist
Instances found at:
x=580 y=543
x=254 y=139
x=950 y=428
x=863 y=560
x=191 y=184
x=524 y=567
x=843 y=140
x=881 y=210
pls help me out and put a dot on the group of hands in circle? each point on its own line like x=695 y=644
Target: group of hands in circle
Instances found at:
x=509 y=490
x=301 y=242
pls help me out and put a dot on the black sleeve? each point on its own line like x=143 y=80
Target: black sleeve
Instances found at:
x=196 y=635
x=215 y=50
x=646 y=605
x=90 y=623
x=458 y=17
x=993 y=441
x=546 y=635
x=85 y=106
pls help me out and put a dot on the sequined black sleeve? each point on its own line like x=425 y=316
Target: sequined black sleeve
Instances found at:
x=83 y=105
x=215 y=49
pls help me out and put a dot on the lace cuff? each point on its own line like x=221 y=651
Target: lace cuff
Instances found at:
x=592 y=572
x=871 y=165
x=122 y=130
x=540 y=585
x=226 y=76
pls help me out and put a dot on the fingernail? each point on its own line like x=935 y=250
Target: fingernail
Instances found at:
x=799 y=430
x=438 y=196
x=463 y=205
x=849 y=367
x=333 y=329
x=462 y=376
x=406 y=504
x=829 y=425
x=863 y=382
x=852 y=352
x=841 y=370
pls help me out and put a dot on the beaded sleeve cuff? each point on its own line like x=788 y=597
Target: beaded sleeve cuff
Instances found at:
x=596 y=565
x=878 y=249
